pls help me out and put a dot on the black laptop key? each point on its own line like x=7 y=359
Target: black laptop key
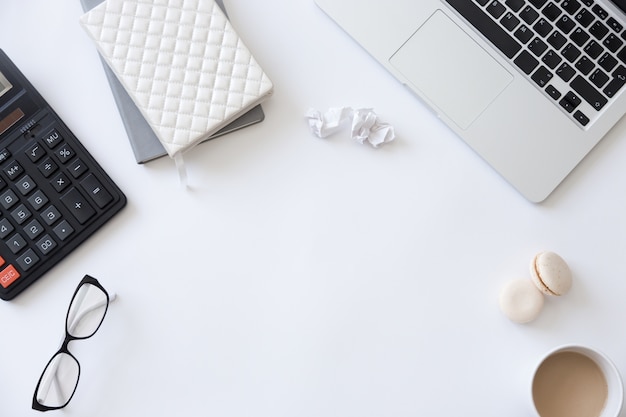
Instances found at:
x=613 y=43
x=542 y=76
x=526 y=62
x=551 y=12
x=579 y=37
x=496 y=9
x=570 y=52
x=553 y=92
x=567 y=105
x=542 y=27
x=515 y=5
x=584 y=17
x=524 y=34
x=598 y=78
x=557 y=40
x=607 y=62
x=551 y=59
x=565 y=24
x=588 y=92
x=600 y=12
x=581 y=118
x=529 y=15
x=594 y=49
x=537 y=3
x=485 y=25
x=618 y=81
x=585 y=65
x=598 y=30
x=615 y=25
x=509 y=21
x=565 y=72
x=537 y=47
x=571 y=6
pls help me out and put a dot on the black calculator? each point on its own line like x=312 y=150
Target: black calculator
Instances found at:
x=53 y=194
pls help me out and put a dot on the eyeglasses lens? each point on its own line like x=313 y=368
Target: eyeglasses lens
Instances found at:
x=87 y=311
x=58 y=381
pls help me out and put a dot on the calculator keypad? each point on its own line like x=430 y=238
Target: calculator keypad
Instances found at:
x=53 y=195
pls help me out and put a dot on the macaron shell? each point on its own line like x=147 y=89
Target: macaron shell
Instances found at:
x=521 y=301
x=551 y=274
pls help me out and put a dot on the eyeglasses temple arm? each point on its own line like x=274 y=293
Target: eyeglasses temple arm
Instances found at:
x=73 y=321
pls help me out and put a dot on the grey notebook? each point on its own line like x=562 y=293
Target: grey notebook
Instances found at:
x=145 y=144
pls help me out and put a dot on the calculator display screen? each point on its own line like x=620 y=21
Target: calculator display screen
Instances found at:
x=5 y=85
x=10 y=120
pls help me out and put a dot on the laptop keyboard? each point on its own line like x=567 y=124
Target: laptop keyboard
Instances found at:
x=572 y=50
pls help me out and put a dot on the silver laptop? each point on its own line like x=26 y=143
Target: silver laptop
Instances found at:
x=531 y=85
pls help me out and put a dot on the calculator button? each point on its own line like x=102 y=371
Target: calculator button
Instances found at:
x=13 y=170
x=96 y=191
x=64 y=153
x=53 y=138
x=60 y=182
x=63 y=230
x=16 y=243
x=4 y=155
x=8 y=276
x=26 y=185
x=3 y=184
x=77 y=205
x=33 y=229
x=8 y=199
x=46 y=244
x=47 y=167
x=20 y=214
x=35 y=152
x=77 y=168
x=37 y=200
x=28 y=260
x=5 y=228
x=50 y=215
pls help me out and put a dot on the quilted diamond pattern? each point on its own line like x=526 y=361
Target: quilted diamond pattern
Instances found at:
x=182 y=63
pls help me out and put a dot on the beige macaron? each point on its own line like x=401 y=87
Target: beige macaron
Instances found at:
x=550 y=273
x=521 y=301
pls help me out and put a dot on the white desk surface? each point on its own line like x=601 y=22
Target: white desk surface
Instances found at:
x=307 y=277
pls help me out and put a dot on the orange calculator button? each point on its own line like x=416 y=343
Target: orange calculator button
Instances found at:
x=2 y=261
x=8 y=275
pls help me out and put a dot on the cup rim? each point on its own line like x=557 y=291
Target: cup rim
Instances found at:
x=608 y=367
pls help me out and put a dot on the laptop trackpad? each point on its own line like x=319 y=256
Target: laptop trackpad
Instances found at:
x=451 y=69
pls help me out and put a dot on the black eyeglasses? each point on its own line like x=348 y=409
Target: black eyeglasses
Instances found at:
x=85 y=314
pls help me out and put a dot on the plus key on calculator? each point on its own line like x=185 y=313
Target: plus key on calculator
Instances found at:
x=53 y=194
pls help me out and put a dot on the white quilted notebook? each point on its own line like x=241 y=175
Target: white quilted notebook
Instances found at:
x=181 y=62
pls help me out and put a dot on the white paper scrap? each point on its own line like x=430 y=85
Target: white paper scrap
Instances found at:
x=366 y=127
x=324 y=125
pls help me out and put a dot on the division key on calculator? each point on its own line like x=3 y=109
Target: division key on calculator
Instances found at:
x=53 y=194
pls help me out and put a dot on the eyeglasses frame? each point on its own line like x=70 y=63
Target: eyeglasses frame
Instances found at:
x=87 y=279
